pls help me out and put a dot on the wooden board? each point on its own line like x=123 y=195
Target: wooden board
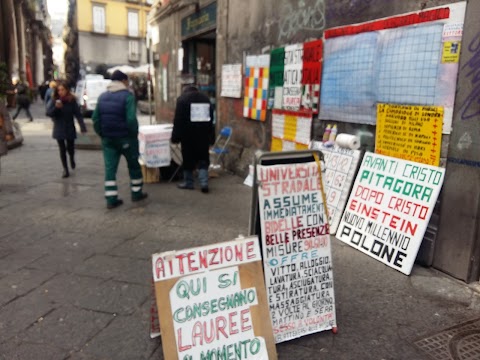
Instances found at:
x=247 y=328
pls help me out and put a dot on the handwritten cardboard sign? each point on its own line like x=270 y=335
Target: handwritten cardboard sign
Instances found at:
x=212 y=302
x=389 y=209
x=340 y=167
x=296 y=250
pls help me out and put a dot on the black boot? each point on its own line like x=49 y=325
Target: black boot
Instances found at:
x=71 y=153
x=63 y=157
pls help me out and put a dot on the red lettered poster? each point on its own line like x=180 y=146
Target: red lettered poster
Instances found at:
x=212 y=303
x=296 y=250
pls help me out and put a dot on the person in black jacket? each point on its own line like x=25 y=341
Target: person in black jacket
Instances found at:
x=62 y=108
x=23 y=101
x=193 y=128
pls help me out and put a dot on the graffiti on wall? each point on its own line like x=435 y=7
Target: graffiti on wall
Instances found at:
x=471 y=104
x=305 y=16
x=345 y=12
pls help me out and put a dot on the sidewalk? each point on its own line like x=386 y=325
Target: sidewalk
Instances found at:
x=75 y=277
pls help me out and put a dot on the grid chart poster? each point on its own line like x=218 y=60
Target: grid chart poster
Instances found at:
x=340 y=167
x=389 y=208
x=212 y=304
x=409 y=132
x=290 y=130
x=292 y=79
x=256 y=87
x=232 y=81
x=404 y=59
x=296 y=250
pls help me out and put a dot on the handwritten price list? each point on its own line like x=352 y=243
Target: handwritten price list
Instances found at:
x=340 y=166
x=410 y=132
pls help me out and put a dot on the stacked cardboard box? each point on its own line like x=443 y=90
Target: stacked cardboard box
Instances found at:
x=154 y=143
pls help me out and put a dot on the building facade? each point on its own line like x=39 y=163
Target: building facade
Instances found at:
x=27 y=50
x=111 y=32
x=195 y=38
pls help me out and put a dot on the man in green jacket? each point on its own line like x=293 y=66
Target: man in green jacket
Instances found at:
x=115 y=121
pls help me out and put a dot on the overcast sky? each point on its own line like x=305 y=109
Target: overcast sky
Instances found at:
x=57 y=7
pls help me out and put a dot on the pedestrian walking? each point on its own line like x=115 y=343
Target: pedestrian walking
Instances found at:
x=23 y=101
x=115 y=121
x=48 y=94
x=193 y=129
x=63 y=108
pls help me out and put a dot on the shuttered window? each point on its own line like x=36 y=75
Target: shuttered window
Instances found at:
x=133 y=23
x=98 y=19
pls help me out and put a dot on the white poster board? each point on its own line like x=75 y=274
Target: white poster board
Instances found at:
x=389 y=208
x=232 y=81
x=296 y=250
x=340 y=167
x=292 y=79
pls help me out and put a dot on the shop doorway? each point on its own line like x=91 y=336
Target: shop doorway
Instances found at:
x=199 y=62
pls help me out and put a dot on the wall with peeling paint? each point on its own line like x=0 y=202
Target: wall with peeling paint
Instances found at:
x=344 y=12
x=253 y=27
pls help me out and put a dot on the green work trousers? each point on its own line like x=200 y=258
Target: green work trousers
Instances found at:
x=113 y=149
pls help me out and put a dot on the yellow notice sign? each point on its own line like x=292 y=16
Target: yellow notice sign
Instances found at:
x=410 y=132
x=451 y=52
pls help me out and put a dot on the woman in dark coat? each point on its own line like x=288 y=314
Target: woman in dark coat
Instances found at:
x=62 y=108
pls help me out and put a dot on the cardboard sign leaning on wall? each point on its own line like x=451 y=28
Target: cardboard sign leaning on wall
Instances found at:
x=212 y=302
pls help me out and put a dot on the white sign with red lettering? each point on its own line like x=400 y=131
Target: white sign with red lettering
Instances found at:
x=296 y=250
x=292 y=79
x=173 y=264
x=212 y=302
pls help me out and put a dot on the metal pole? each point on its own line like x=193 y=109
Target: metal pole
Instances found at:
x=149 y=83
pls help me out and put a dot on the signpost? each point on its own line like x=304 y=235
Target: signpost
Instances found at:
x=212 y=302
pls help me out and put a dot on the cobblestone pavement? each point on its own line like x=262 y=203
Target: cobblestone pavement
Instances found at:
x=75 y=277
